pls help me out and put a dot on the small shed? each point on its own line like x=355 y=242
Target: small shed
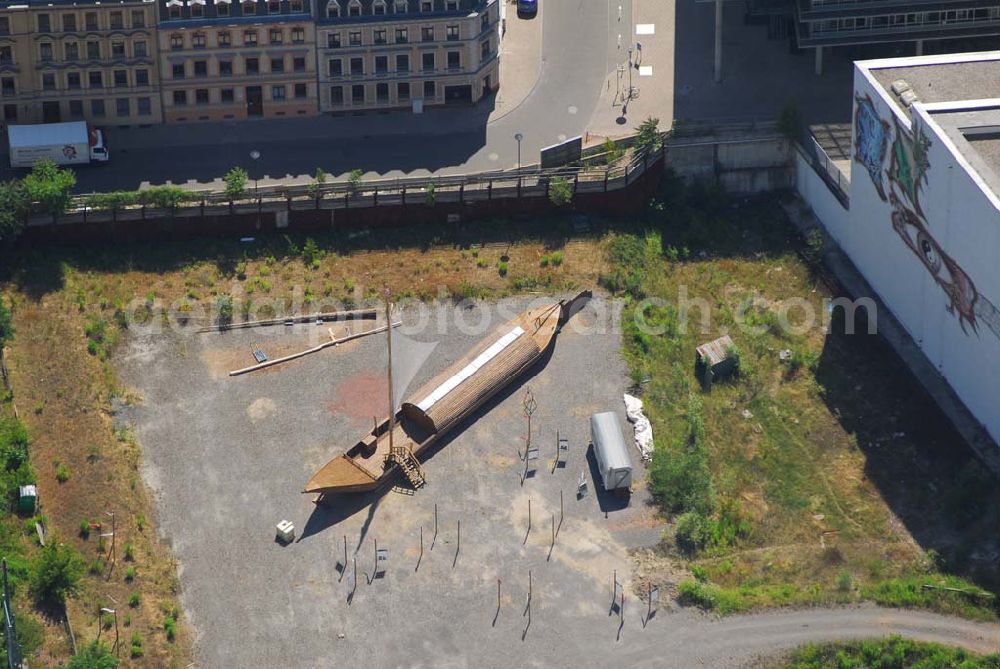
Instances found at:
x=27 y=499
x=611 y=452
x=715 y=360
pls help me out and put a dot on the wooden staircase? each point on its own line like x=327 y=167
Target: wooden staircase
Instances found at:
x=408 y=462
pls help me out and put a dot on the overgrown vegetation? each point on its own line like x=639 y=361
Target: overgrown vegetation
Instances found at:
x=236 y=183
x=560 y=191
x=890 y=653
x=56 y=573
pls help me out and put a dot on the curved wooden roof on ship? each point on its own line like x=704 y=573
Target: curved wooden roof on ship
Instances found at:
x=461 y=388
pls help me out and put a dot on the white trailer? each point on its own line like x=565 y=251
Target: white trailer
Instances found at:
x=611 y=452
x=72 y=143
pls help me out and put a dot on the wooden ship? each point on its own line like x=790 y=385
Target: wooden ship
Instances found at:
x=395 y=444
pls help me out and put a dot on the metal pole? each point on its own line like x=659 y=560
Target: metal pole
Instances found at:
x=435 y=526
x=392 y=400
x=718 y=41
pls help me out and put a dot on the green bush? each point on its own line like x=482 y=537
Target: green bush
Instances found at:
x=502 y=268
x=134 y=599
x=129 y=574
x=648 y=135
x=95 y=655
x=354 y=181
x=560 y=191
x=14 y=206
x=17 y=470
x=112 y=201
x=224 y=307
x=680 y=477
x=84 y=529
x=57 y=572
x=129 y=552
x=311 y=253
x=62 y=473
x=6 y=324
x=692 y=532
x=893 y=652
x=170 y=627
x=49 y=188
x=236 y=183
x=165 y=197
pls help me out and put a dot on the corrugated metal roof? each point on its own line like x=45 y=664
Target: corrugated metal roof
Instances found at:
x=715 y=351
x=606 y=432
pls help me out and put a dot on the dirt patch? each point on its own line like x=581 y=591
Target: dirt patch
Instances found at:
x=361 y=396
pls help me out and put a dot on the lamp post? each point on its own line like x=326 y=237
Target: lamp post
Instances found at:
x=255 y=156
x=518 y=137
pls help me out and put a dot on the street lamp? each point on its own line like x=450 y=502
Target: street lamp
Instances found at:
x=255 y=156
x=518 y=137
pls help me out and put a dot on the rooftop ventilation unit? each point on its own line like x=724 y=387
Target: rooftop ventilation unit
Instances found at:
x=900 y=86
x=908 y=98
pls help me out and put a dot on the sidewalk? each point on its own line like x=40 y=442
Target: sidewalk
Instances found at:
x=520 y=61
x=652 y=73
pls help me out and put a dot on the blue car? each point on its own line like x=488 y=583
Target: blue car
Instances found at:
x=527 y=7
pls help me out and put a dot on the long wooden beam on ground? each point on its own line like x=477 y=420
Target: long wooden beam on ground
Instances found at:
x=329 y=316
x=300 y=354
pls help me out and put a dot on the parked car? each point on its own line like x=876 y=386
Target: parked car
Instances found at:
x=527 y=8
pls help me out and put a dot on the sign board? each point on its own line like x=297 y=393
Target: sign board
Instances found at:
x=654 y=596
x=533 y=453
x=581 y=486
x=563 y=153
x=383 y=555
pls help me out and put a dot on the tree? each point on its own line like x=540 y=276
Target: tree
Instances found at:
x=94 y=655
x=13 y=208
x=320 y=180
x=56 y=573
x=560 y=191
x=49 y=187
x=648 y=135
x=354 y=181
x=430 y=196
x=236 y=183
x=6 y=324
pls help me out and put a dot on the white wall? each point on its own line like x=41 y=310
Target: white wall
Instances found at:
x=825 y=205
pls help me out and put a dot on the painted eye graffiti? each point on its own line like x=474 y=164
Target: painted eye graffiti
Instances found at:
x=928 y=251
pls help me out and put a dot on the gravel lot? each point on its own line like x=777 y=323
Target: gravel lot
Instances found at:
x=227 y=457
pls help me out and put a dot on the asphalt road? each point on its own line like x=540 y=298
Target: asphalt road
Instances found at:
x=578 y=36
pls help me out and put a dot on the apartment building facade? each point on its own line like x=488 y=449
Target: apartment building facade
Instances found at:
x=84 y=60
x=383 y=54
x=237 y=60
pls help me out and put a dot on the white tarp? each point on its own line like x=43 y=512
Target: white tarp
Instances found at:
x=643 y=429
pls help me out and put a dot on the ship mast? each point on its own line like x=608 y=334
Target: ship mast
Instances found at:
x=388 y=332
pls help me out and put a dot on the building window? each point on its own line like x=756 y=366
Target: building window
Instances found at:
x=45 y=51
x=402 y=36
x=93 y=50
x=48 y=81
x=144 y=106
x=122 y=107
x=142 y=77
x=76 y=108
x=73 y=81
x=197 y=10
x=296 y=6
x=429 y=89
x=43 y=23
x=451 y=5
x=427 y=34
x=333 y=10
x=225 y=68
x=4 y=25
x=97 y=108
x=250 y=38
x=273 y=7
x=300 y=91
x=381 y=92
x=427 y=62
x=138 y=21
x=454 y=60
x=452 y=33
x=298 y=35
x=174 y=12
x=72 y=51
x=401 y=7
x=299 y=64
x=139 y=49
x=7 y=55
x=7 y=86
x=69 y=23
x=227 y=95
x=121 y=78
x=381 y=64
x=201 y=96
x=335 y=67
x=357 y=66
x=278 y=92
x=276 y=35
x=248 y=8
x=253 y=66
x=95 y=80
x=177 y=70
x=336 y=95
x=354 y=38
x=402 y=62
x=484 y=22
x=484 y=49
x=278 y=64
x=358 y=94
x=176 y=42
x=198 y=40
x=118 y=49
x=378 y=8
x=117 y=21
x=201 y=68
x=90 y=20
x=222 y=8
x=402 y=91
x=379 y=36
x=354 y=9
x=333 y=40
x=426 y=6
x=180 y=98
x=224 y=39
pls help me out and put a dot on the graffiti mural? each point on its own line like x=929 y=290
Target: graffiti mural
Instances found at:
x=871 y=140
x=906 y=173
